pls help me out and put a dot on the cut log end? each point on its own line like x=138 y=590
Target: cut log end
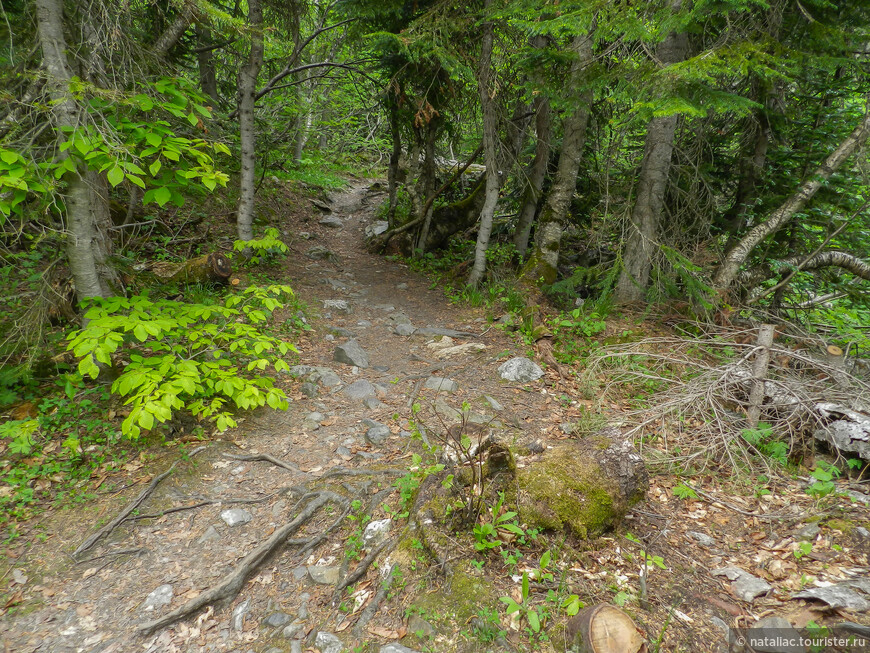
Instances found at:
x=604 y=629
x=209 y=267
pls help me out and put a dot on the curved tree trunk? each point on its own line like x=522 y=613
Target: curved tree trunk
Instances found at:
x=730 y=267
x=490 y=152
x=832 y=258
x=175 y=30
x=652 y=182
x=247 y=130
x=542 y=265
x=86 y=206
x=535 y=176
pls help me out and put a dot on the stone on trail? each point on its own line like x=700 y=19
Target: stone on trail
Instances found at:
x=764 y=633
x=312 y=421
x=339 y=305
x=323 y=575
x=372 y=403
x=236 y=516
x=309 y=389
x=376 y=228
x=745 y=586
x=377 y=432
x=158 y=598
x=319 y=253
x=520 y=370
x=210 y=535
x=360 y=389
x=404 y=330
x=331 y=221
x=350 y=353
x=376 y=532
x=237 y=621
x=496 y=406
x=328 y=643
x=277 y=619
x=396 y=648
x=441 y=384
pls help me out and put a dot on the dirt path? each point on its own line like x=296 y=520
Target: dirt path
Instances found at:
x=96 y=604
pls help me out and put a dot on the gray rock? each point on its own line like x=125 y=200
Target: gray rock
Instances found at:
x=278 y=508
x=306 y=235
x=855 y=496
x=396 y=648
x=520 y=370
x=350 y=353
x=325 y=376
x=210 y=535
x=360 y=389
x=746 y=587
x=401 y=286
x=372 y=404
x=237 y=620
x=450 y=333
x=441 y=384
x=376 y=532
x=312 y=421
x=496 y=406
x=376 y=228
x=341 y=450
x=338 y=331
x=849 y=594
x=275 y=649
x=296 y=646
x=417 y=624
x=862 y=532
x=236 y=516
x=368 y=455
x=336 y=283
x=566 y=427
x=300 y=572
x=808 y=533
x=404 y=330
x=320 y=253
x=328 y=643
x=377 y=435
x=292 y=630
x=277 y=619
x=157 y=598
x=774 y=635
x=703 y=539
x=400 y=318
x=323 y=575
x=300 y=370
x=331 y=221
x=338 y=305
x=309 y=389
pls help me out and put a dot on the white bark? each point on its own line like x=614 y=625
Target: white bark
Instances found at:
x=247 y=129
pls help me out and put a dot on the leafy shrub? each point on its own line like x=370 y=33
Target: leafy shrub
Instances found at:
x=265 y=248
x=177 y=355
x=764 y=441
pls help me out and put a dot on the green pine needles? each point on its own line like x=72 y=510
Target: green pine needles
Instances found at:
x=204 y=358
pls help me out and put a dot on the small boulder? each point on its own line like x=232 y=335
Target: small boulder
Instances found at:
x=323 y=575
x=277 y=619
x=331 y=221
x=376 y=532
x=360 y=389
x=404 y=330
x=520 y=370
x=338 y=305
x=376 y=228
x=350 y=353
x=236 y=516
x=745 y=586
x=441 y=384
x=328 y=643
x=158 y=598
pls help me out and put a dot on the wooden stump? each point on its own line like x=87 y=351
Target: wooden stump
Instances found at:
x=603 y=629
x=210 y=267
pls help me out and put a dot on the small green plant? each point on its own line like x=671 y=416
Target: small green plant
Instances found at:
x=683 y=491
x=491 y=534
x=262 y=249
x=804 y=548
x=824 y=475
x=764 y=442
x=533 y=616
x=408 y=485
x=176 y=355
x=649 y=560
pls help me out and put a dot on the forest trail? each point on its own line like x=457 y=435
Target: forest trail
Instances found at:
x=149 y=566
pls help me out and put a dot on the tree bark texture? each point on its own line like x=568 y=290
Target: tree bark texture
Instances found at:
x=833 y=258
x=542 y=265
x=210 y=267
x=395 y=155
x=205 y=63
x=751 y=168
x=176 y=29
x=490 y=152
x=535 y=175
x=759 y=373
x=737 y=255
x=247 y=129
x=86 y=196
x=646 y=216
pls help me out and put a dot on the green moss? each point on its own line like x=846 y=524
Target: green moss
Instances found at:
x=564 y=492
x=844 y=525
x=459 y=599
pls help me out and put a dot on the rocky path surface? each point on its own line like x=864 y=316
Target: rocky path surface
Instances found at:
x=378 y=345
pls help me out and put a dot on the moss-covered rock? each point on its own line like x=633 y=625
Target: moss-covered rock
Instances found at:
x=584 y=486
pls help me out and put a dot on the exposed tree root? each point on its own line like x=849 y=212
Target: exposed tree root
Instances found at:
x=230 y=585
x=117 y=521
x=111 y=554
x=344 y=471
x=372 y=608
x=263 y=457
x=361 y=568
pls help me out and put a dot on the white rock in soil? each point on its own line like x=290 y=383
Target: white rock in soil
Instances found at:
x=339 y=305
x=376 y=532
x=237 y=621
x=328 y=643
x=236 y=516
x=746 y=587
x=520 y=370
x=158 y=598
x=323 y=575
x=376 y=228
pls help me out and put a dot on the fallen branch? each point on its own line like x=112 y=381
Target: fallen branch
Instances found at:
x=372 y=608
x=263 y=457
x=227 y=589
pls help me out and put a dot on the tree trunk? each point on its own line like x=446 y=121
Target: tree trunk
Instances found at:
x=87 y=208
x=209 y=267
x=247 y=130
x=490 y=151
x=751 y=168
x=542 y=266
x=175 y=30
x=652 y=182
x=428 y=179
x=395 y=155
x=205 y=62
x=535 y=176
x=727 y=272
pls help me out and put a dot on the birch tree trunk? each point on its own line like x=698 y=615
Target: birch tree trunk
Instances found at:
x=490 y=152
x=395 y=155
x=542 y=266
x=727 y=272
x=642 y=239
x=535 y=176
x=86 y=208
x=247 y=130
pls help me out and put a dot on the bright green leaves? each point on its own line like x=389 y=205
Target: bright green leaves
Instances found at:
x=18 y=177
x=176 y=355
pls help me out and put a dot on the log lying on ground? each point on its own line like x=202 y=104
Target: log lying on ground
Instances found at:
x=603 y=629
x=209 y=267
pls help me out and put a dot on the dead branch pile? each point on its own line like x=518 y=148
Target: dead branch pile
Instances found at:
x=702 y=386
